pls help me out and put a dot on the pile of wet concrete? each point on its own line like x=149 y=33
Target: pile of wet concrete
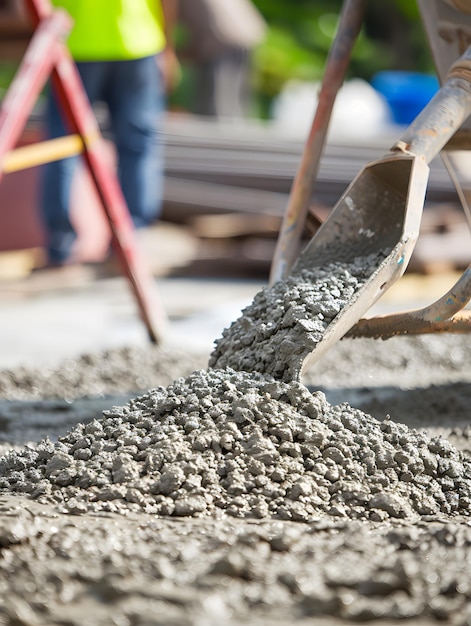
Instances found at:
x=290 y=506
x=251 y=444
x=248 y=445
x=78 y=560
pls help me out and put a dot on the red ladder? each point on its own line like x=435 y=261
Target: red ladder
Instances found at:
x=47 y=55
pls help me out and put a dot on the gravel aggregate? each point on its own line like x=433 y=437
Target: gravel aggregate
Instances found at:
x=247 y=445
x=214 y=496
x=286 y=321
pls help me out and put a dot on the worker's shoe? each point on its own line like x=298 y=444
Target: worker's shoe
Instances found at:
x=107 y=268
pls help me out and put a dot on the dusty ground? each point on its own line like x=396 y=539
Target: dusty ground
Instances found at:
x=103 y=568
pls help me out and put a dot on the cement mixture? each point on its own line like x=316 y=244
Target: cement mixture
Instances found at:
x=286 y=321
x=225 y=497
x=246 y=445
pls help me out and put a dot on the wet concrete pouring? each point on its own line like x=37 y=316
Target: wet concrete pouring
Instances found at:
x=140 y=486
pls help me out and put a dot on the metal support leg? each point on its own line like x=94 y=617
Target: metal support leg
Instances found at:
x=47 y=53
x=287 y=247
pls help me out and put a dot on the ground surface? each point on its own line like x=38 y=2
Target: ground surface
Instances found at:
x=64 y=567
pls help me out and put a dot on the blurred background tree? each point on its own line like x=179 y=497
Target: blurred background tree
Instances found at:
x=299 y=36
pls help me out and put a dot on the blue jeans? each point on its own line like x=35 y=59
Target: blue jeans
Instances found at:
x=134 y=94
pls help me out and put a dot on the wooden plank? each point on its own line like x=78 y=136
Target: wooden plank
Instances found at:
x=234 y=225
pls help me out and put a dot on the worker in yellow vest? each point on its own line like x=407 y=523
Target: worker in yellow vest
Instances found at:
x=123 y=53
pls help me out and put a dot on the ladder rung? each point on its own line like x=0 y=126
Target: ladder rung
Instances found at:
x=42 y=152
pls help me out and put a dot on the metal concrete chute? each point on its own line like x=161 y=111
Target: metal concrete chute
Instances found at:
x=378 y=215
x=447 y=24
x=381 y=211
x=361 y=249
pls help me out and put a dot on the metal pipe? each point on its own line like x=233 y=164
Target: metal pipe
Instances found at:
x=42 y=152
x=442 y=117
x=396 y=324
x=286 y=250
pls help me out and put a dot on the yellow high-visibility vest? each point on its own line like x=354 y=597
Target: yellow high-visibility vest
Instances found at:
x=108 y=30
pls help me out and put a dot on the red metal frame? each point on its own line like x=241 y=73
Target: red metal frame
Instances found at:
x=47 y=55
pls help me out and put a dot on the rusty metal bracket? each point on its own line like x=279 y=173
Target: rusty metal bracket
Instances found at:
x=444 y=315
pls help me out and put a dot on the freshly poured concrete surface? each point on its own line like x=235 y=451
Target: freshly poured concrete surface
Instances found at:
x=63 y=564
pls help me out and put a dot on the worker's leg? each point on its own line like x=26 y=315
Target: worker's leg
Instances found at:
x=205 y=86
x=136 y=104
x=57 y=176
x=55 y=192
x=231 y=83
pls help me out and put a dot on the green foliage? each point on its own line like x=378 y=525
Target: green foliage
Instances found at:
x=301 y=32
x=300 y=35
x=280 y=59
x=7 y=72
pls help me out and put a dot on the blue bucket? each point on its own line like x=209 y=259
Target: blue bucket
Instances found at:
x=406 y=93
